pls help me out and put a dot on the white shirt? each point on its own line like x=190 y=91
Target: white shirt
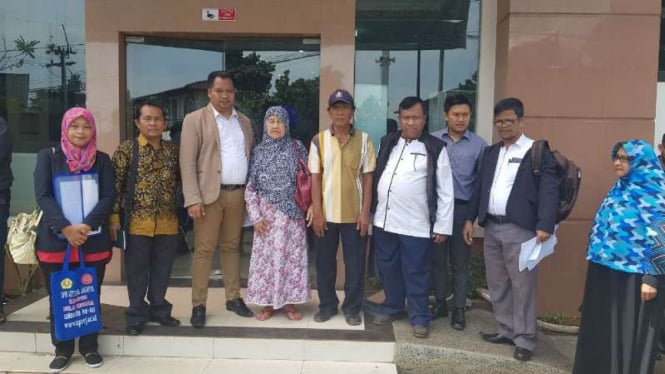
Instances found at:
x=504 y=175
x=402 y=197
x=232 y=149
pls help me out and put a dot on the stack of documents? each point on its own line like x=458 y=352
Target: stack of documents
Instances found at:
x=532 y=252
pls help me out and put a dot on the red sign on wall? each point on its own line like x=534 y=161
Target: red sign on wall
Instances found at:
x=218 y=14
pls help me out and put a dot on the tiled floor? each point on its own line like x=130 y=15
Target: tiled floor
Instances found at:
x=217 y=315
x=37 y=363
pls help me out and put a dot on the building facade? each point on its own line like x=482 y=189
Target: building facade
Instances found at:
x=586 y=71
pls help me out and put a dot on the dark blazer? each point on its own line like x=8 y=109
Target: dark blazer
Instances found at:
x=533 y=201
x=50 y=164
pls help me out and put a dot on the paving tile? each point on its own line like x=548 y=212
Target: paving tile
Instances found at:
x=168 y=346
x=156 y=365
x=336 y=350
x=30 y=362
x=113 y=345
x=35 y=312
x=43 y=343
x=323 y=367
x=253 y=367
x=259 y=349
x=17 y=342
x=8 y=360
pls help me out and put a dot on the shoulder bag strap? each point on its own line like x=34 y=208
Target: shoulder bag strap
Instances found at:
x=537 y=156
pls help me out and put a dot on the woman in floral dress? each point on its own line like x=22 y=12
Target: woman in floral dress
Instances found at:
x=278 y=267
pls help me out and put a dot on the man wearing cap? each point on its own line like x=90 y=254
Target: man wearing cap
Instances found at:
x=341 y=160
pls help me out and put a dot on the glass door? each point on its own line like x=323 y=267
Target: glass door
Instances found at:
x=173 y=72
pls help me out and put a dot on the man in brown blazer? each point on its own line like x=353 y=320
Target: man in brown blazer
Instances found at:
x=215 y=147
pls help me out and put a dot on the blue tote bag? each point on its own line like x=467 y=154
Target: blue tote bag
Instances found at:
x=75 y=299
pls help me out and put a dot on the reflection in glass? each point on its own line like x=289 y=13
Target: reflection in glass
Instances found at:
x=42 y=68
x=42 y=74
x=173 y=73
x=406 y=48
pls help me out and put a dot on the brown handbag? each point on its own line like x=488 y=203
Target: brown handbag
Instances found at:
x=303 y=183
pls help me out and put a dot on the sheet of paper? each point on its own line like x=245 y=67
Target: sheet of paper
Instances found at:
x=77 y=194
x=90 y=197
x=70 y=200
x=531 y=253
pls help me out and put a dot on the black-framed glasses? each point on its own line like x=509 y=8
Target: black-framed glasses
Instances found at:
x=505 y=122
x=624 y=159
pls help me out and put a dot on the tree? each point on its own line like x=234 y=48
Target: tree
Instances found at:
x=252 y=78
x=15 y=58
x=301 y=99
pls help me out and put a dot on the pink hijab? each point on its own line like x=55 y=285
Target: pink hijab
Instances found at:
x=78 y=159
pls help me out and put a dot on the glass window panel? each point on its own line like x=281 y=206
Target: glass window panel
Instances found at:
x=267 y=72
x=42 y=73
x=403 y=48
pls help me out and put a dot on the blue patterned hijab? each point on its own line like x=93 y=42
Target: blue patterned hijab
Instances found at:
x=272 y=167
x=627 y=233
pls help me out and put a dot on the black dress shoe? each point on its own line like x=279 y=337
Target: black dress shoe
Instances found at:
x=352 y=319
x=167 y=321
x=323 y=316
x=496 y=339
x=198 y=319
x=458 y=321
x=440 y=310
x=522 y=354
x=238 y=306
x=135 y=329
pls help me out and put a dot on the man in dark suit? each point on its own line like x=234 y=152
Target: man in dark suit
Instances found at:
x=513 y=205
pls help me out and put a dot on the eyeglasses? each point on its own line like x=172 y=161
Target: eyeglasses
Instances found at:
x=505 y=122
x=624 y=159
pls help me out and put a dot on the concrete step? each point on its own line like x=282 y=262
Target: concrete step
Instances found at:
x=38 y=363
x=226 y=335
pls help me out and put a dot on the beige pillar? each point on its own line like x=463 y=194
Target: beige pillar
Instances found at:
x=586 y=71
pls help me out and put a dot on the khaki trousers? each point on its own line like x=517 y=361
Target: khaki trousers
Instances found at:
x=221 y=225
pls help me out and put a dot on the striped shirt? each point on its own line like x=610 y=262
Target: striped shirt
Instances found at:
x=342 y=166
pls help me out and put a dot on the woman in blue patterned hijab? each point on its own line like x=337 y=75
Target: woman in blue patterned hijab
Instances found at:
x=624 y=296
x=278 y=267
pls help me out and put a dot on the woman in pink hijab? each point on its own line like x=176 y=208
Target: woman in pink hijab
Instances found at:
x=77 y=154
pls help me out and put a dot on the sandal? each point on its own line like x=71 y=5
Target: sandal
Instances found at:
x=265 y=313
x=291 y=313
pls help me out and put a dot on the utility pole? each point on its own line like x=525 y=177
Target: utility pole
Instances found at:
x=62 y=53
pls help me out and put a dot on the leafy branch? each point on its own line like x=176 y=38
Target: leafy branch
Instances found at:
x=15 y=58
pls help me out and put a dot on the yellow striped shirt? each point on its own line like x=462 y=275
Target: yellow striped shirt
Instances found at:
x=341 y=166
